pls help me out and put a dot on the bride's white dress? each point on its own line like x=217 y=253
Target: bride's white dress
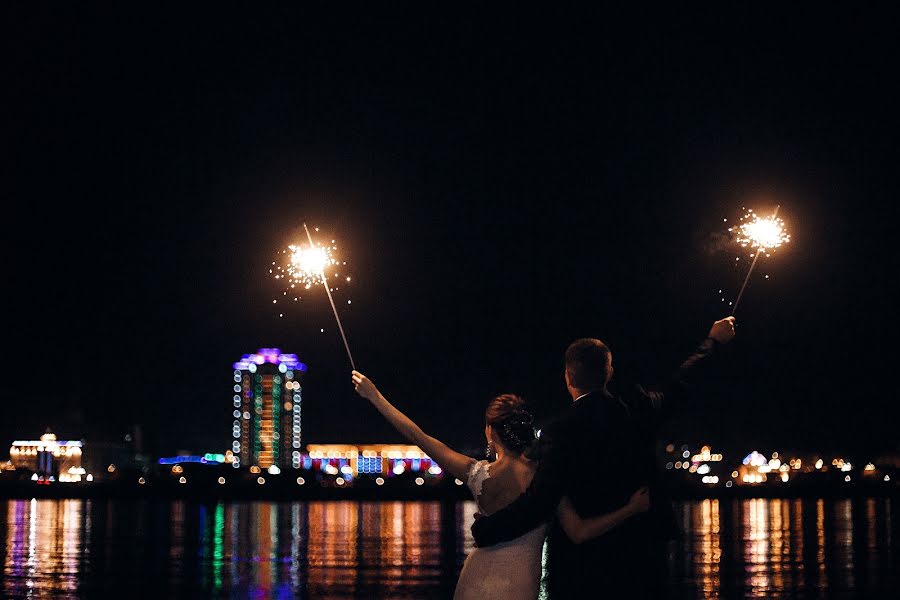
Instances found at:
x=507 y=571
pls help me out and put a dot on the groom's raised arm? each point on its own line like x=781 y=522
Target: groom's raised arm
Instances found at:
x=537 y=503
x=676 y=393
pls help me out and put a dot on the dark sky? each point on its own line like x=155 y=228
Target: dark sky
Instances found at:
x=498 y=187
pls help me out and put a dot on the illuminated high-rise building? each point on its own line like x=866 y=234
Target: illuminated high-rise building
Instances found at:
x=267 y=407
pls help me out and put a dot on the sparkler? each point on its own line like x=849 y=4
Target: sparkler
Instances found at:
x=304 y=268
x=761 y=235
x=309 y=266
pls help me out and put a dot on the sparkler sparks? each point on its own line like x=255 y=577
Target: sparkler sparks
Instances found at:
x=306 y=266
x=760 y=234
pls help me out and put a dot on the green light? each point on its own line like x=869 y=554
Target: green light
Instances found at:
x=218 y=554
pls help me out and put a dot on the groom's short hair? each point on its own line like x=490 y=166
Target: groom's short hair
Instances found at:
x=588 y=363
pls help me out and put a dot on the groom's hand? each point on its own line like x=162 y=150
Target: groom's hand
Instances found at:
x=723 y=330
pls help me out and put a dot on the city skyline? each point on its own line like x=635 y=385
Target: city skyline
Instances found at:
x=684 y=468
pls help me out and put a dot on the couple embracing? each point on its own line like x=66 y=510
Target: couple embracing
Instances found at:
x=604 y=536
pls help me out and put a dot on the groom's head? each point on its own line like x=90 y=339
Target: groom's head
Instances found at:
x=588 y=366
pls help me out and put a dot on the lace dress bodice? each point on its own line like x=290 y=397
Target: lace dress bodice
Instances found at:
x=479 y=472
x=506 y=571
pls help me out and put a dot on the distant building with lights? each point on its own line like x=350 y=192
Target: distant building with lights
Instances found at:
x=704 y=466
x=350 y=461
x=756 y=468
x=48 y=458
x=267 y=409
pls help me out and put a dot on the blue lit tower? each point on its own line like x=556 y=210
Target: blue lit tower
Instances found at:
x=267 y=404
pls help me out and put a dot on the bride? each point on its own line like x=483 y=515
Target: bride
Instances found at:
x=511 y=570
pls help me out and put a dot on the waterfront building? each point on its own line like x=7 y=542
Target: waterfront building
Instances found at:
x=374 y=460
x=267 y=410
x=48 y=458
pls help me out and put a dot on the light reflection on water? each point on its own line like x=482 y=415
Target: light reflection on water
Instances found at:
x=765 y=548
x=779 y=548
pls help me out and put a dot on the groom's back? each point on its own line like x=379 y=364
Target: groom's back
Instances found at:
x=611 y=455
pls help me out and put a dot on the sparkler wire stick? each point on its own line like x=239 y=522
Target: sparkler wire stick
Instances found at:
x=333 y=307
x=753 y=264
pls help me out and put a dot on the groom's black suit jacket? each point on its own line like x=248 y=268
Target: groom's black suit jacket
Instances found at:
x=598 y=452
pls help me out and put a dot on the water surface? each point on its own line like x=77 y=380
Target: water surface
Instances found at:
x=762 y=548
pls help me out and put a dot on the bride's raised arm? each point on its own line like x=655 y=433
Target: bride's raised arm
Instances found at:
x=451 y=461
x=581 y=530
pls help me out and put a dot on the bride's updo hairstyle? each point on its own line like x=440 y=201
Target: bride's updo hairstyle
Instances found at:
x=509 y=416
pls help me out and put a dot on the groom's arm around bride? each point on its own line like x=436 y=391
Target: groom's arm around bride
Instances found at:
x=595 y=418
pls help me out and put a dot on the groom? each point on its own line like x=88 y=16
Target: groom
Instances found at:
x=598 y=452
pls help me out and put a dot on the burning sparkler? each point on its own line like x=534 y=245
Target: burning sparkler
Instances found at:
x=305 y=268
x=307 y=264
x=761 y=235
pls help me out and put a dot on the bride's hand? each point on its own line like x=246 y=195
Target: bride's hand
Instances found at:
x=364 y=386
x=640 y=500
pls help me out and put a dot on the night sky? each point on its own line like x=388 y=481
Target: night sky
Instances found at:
x=498 y=186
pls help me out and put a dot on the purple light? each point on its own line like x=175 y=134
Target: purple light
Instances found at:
x=270 y=355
